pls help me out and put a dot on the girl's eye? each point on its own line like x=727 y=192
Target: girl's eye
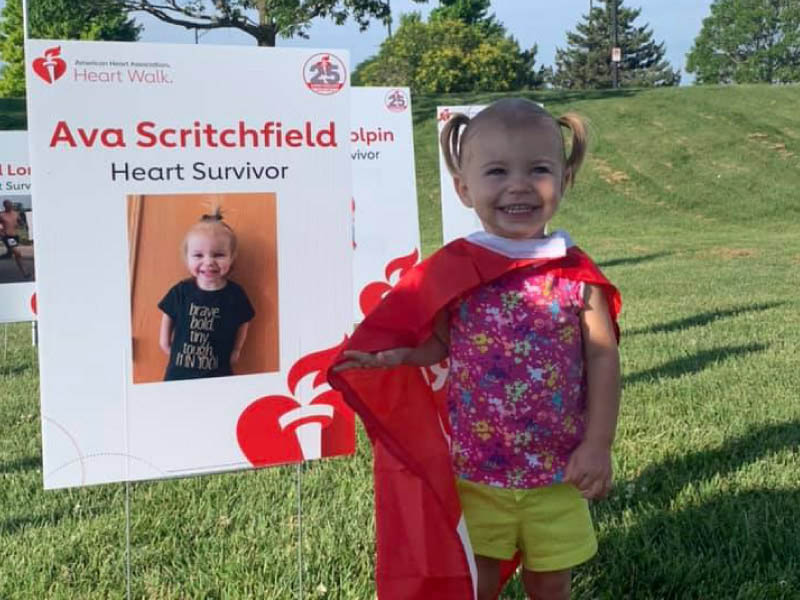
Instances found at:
x=496 y=171
x=541 y=169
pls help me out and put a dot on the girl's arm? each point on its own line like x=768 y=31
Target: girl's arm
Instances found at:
x=429 y=352
x=589 y=467
x=165 y=333
x=241 y=335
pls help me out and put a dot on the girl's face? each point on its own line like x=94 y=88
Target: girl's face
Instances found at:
x=209 y=259
x=513 y=177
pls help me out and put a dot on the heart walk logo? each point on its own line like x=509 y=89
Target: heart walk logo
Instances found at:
x=51 y=66
x=396 y=100
x=324 y=74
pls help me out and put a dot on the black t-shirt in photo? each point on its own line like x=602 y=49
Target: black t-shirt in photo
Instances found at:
x=204 y=326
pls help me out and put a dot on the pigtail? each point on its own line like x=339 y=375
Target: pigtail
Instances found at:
x=580 y=140
x=450 y=142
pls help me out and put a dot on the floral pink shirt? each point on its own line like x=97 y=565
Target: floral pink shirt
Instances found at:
x=516 y=386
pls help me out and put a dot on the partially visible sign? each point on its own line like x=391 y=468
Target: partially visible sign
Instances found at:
x=385 y=223
x=16 y=230
x=616 y=54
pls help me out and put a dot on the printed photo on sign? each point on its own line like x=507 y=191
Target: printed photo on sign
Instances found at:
x=17 y=265
x=204 y=291
x=16 y=235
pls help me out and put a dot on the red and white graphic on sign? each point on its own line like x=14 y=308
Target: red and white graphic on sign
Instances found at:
x=374 y=292
x=324 y=73
x=284 y=429
x=396 y=100
x=50 y=66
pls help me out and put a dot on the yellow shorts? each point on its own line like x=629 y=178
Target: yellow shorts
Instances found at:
x=551 y=525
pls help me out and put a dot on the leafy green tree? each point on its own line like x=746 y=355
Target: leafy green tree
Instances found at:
x=586 y=62
x=446 y=55
x=471 y=12
x=264 y=20
x=748 y=41
x=57 y=19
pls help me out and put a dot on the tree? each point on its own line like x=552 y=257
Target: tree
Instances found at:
x=264 y=20
x=586 y=62
x=446 y=55
x=471 y=12
x=748 y=41
x=57 y=19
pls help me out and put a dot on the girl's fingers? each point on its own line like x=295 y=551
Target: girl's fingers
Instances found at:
x=359 y=360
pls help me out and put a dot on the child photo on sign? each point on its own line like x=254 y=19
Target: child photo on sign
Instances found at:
x=16 y=239
x=205 y=317
x=192 y=316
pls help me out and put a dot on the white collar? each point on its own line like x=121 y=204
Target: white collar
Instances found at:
x=553 y=246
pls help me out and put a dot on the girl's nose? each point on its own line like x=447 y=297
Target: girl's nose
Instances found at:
x=520 y=183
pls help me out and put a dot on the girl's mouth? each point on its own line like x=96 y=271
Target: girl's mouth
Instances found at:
x=517 y=209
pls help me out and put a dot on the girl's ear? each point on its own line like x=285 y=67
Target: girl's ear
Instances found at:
x=461 y=189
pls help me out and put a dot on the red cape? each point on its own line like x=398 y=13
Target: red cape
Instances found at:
x=421 y=553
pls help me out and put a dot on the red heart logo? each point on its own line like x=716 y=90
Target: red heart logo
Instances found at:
x=50 y=66
x=267 y=428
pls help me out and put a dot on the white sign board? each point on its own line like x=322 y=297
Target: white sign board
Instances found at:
x=457 y=220
x=131 y=144
x=386 y=227
x=17 y=300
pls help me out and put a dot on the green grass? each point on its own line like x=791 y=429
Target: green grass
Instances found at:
x=689 y=201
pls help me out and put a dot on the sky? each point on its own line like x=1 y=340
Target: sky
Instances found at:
x=542 y=22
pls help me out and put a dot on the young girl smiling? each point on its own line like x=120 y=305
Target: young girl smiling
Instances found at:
x=205 y=318
x=529 y=325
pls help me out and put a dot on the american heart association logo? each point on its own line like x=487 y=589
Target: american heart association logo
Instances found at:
x=50 y=66
x=286 y=429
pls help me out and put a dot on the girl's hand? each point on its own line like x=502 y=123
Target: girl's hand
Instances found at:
x=370 y=360
x=235 y=356
x=589 y=470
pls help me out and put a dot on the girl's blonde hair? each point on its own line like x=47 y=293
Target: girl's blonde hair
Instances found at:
x=212 y=224
x=511 y=112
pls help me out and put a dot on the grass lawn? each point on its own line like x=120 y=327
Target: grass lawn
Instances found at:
x=689 y=201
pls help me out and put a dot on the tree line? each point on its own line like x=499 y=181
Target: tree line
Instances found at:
x=460 y=47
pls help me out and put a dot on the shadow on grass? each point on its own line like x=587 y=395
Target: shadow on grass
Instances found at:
x=700 y=551
x=632 y=260
x=703 y=319
x=22 y=464
x=665 y=479
x=692 y=364
x=14 y=525
x=11 y=370
x=740 y=545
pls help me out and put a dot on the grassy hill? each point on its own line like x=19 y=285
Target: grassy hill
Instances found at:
x=689 y=200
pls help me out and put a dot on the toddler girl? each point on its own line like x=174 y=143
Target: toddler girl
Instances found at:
x=206 y=317
x=529 y=325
